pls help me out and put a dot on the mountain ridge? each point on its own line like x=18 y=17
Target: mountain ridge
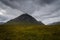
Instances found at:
x=25 y=18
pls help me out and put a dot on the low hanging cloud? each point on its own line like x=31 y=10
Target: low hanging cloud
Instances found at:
x=46 y=11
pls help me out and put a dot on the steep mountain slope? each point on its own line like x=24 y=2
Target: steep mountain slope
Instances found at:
x=24 y=19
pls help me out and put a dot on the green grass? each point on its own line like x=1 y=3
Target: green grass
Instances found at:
x=29 y=32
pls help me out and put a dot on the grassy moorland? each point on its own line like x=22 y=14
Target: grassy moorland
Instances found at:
x=29 y=32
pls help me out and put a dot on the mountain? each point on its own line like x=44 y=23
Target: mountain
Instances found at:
x=1 y=23
x=25 y=19
x=55 y=23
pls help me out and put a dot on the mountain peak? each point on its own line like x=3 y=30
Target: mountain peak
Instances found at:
x=25 y=18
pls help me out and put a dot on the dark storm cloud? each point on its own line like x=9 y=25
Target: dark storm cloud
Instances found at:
x=42 y=10
x=9 y=10
x=8 y=13
x=27 y=6
x=7 y=2
x=47 y=1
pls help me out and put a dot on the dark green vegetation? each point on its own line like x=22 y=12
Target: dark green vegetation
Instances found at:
x=28 y=31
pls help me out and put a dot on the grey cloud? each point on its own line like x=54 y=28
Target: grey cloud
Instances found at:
x=9 y=10
x=27 y=6
x=3 y=18
x=48 y=1
x=8 y=13
x=45 y=8
x=48 y=12
x=7 y=2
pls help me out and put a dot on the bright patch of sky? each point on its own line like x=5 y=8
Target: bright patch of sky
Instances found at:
x=2 y=12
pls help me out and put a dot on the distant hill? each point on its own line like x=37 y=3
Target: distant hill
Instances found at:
x=55 y=23
x=24 y=18
x=1 y=23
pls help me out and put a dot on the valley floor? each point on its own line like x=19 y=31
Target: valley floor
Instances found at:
x=29 y=32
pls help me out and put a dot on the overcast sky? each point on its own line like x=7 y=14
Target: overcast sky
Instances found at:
x=46 y=11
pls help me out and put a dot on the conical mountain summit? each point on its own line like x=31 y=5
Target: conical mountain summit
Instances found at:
x=24 y=18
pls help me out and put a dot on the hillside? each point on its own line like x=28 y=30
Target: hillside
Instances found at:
x=29 y=32
x=15 y=30
x=24 y=19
